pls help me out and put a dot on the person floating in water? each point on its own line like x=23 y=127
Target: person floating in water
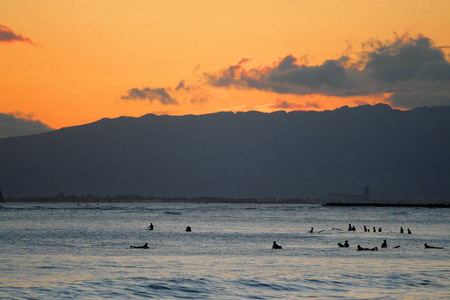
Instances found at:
x=150 y=227
x=409 y=231
x=359 y=248
x=349 y=227
x=276 y=246
x=384 y=245
x=312 y=230
x=365 y=228
x=353 y=228
x=188 y=229
x=401 y=229
x=374 y=229
x=145 y=246
x=345 y=245
x=379 y=229
x=432 y=247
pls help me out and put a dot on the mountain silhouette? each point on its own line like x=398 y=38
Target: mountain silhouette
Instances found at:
x=398 y=154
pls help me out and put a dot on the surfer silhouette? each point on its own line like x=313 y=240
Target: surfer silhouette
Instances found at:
x=145 y=246
x=384 y=245
x=345 y=245
x=359 y=248
x=188 y=229
x=276 y=246
x=150 y=227
x=432 y=247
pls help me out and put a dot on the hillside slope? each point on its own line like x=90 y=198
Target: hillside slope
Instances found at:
x=399 y=154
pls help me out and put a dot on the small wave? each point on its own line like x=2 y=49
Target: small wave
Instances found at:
x=50 y=267
x=43 y=208
x=172 y=213
x=10 y=208
x=157 y=286
x=269 y=286
x=185 y=288
x=103 y=208
x=399 y=213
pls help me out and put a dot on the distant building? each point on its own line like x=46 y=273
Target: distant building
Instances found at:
x=350 y=198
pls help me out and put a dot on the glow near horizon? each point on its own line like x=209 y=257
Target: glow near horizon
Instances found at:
x=82 y=58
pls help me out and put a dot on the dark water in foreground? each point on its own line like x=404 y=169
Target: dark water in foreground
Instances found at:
x=61 y=251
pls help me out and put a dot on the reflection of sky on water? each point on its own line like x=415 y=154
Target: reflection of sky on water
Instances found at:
x=85 y=251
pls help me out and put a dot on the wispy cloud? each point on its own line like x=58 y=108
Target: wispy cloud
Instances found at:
x=182 y=86
x=199 y=100
x=160 y=94
x=9 y=36
x=166 y=95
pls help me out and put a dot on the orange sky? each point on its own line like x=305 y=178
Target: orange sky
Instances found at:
x=77 y=61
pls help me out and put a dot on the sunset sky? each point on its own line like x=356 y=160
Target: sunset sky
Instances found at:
x=66 y=63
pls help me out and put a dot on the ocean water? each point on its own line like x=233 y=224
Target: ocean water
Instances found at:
x=66 y=250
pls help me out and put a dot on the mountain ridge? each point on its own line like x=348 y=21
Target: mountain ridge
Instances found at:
x=399 y=154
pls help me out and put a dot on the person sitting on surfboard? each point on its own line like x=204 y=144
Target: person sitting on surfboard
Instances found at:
x=276 y=246
x=345 y=245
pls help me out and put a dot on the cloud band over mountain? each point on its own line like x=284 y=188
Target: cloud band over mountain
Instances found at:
x=405 y=67
x=18 y=124
x=412 y=71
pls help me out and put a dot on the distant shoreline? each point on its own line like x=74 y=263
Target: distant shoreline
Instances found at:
x=141 y=199
x=161 y=200
x=377 y=204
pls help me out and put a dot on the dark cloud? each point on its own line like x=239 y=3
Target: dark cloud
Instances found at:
x=282 y=104
x=18 y=124
x=9 y=36
x=160 y=94
x=196 y=93
x=182 y=86
x=407 y=65
x=413 y=100
x=233 y=76
x=288 y=77
x=407 y=58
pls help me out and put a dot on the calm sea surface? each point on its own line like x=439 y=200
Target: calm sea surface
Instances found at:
x=61 y=251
